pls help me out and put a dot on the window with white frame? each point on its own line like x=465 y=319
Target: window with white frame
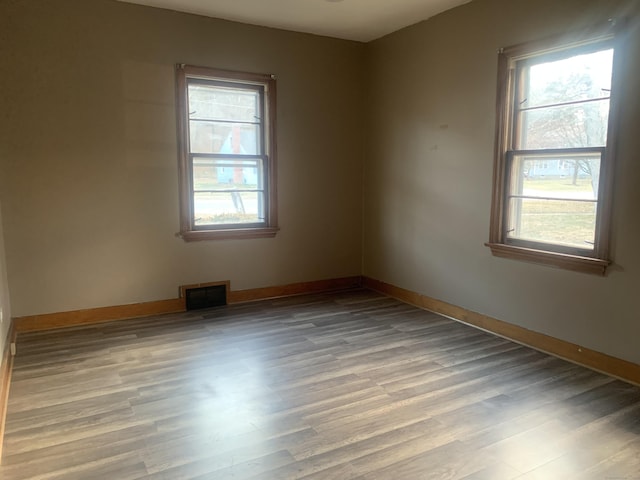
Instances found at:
x=226 y=133
x=554 y=156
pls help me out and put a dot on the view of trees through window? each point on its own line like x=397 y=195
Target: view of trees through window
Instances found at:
x=561 y=113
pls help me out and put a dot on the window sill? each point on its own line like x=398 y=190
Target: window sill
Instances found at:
x=561 y=260
x=230 y=234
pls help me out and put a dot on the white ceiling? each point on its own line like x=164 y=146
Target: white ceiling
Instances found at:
x=361 y=20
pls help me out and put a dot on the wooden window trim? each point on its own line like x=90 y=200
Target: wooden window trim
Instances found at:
x=562 y=260
x=598 y=262
x=188 y=231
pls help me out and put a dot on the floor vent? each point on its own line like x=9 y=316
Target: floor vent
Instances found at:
x=205 y=297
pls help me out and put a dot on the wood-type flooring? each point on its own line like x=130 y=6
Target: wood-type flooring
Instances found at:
x=352 y=385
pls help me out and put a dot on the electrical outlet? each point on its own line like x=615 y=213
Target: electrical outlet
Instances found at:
x=13 y=348
x=1 y=314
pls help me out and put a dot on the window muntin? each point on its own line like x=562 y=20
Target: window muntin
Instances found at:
x=552 y=150
x=226 y=131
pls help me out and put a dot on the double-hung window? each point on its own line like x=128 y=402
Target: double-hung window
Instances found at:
x=553 y=167
x=226 y=136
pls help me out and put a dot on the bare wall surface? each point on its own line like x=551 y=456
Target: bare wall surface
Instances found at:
x=89 y=185
x=428 y=174
x=5 y=308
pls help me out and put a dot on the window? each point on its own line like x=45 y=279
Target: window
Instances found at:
x=226 y=137
x=553 y=166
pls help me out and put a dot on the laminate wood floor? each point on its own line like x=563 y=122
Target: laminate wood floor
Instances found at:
x=340 y=386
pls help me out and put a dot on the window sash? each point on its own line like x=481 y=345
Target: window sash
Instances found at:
x=259 y=121
x=514 y=188
x=229 y=187
x=522 y=111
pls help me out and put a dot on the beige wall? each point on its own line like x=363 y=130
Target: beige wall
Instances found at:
x=5 y=308
x=89 y=184
x=429 y=165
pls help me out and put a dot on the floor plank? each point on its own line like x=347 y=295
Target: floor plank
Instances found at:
x=351 y=385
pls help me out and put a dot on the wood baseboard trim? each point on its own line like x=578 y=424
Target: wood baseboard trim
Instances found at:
x=5 y=379
x=89 y=316
x=303 y=288
x=601 y=362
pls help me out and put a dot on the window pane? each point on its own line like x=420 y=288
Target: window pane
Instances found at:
x=570 y=176
x=227 y=191
x=553 y=198
x=562 y=222
x=212 y=102
x=228 y=207
x=227 y=174
x=576 y=78
x=567 y=126
x=217 y=137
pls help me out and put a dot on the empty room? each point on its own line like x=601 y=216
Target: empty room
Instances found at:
x=320 y=239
